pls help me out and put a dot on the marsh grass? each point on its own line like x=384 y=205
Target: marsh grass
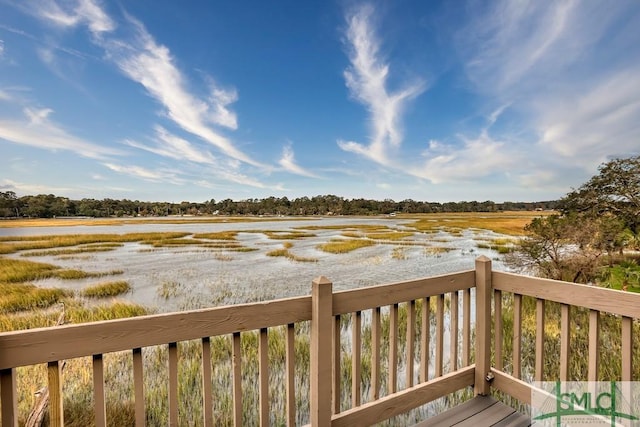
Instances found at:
x=170 y=289
x=398 y=253
x=21 y=271
x=509 y=223
x=21 y=297
x=107 y=289
x=436 y=250
x=13 y=244
x=284 y=252
x=220 y=235
x=104 y=247
x=500 y=245
x=388 y=235
x=351 y=227
x=174 y=242
x=341 y=246
x=287 y=235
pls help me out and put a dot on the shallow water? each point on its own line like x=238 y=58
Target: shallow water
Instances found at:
x=198 y=277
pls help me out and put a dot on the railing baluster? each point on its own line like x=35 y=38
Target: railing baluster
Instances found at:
x=291 y=374
x=138 y=385
x=539 y=372
x=497 y=329
x=9 y=397
x=517 y=335
x=356 y=343
x=393 y=349
x=56 y=411
x=565 y=341
x=263 y=369
x=375 y=353
x=173 y=384
x=237 y=379
x=207 y=395
x=466 y=327
x=424 y=338
x=337 y=347
x=439 y=334
x=453 y=334
x=594 y=341
x=411 y=338
x=98 y=391
x=627 y=348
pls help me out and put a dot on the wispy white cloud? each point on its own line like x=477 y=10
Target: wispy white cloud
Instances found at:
x=288 y=163
x=138 y=56
x=509 y=43
x=72 y=14
x=473 y=159
x=591 y=126
x=174 y=147
x=1 y=48
x=160 y=175
x=366 y=79
x=539 y=57
x=152 y=65
x=37 y=130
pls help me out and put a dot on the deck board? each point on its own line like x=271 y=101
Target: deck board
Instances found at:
x=481 y=411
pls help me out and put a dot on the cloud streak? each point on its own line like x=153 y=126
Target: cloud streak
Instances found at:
x=366 y=79
x=288 y=163
x=150 y=64
x=37 y=130
x=72 y=14
x=174 y=147
x=538 y=57
x=143 y=60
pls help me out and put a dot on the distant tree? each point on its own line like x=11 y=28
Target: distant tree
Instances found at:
x=561 y=248
x=8 y=203
x=615 y=191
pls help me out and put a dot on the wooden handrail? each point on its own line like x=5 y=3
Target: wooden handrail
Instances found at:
x=592 y=297
x=30 y=347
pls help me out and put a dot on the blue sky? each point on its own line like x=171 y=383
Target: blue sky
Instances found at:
x=439 y=101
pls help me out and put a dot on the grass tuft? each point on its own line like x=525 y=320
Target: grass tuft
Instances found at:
x=107 y=289
x=21 y=297
x=345 y=246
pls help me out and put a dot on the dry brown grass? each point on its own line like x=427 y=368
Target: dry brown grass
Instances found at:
x=511 y=223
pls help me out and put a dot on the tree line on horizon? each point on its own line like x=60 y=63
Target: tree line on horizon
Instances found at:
x=50 y=206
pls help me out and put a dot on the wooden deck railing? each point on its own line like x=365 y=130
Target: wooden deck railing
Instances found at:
x=576 y=308
x=405 y=327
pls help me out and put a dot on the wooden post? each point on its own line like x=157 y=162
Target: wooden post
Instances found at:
x=483 y=325
x=100 y=406
x=138 y=387
x=321 y=351
x=9 y=397
x=56 y=412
